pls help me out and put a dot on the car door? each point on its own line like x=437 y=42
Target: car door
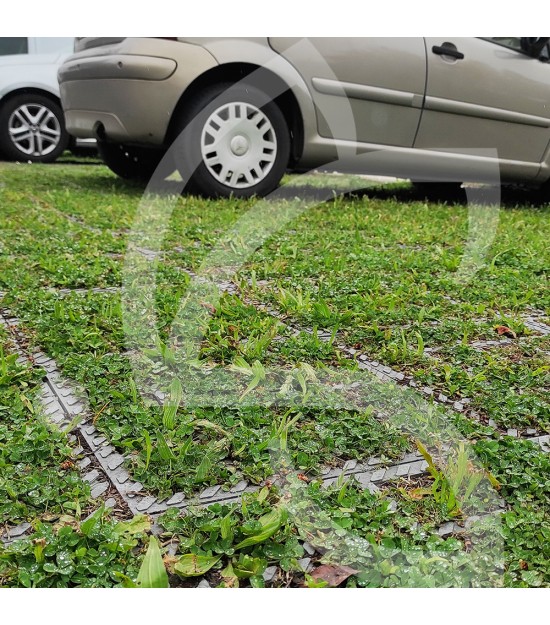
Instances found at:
x=365 y=89
x=486 y=93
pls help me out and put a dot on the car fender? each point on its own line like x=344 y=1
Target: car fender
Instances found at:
x=39 y=77
x=257 y=51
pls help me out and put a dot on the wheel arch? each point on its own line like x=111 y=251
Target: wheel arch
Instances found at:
x=30 y=90
x=235 y=72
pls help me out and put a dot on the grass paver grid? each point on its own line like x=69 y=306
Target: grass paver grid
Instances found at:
x=63 y=403
x=409 y=466
x=194 y=230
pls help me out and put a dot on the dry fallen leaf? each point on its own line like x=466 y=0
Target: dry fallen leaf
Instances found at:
x=419 y=493
x=169 y=562
x=506 y=331
x=208 y=307
x=333 y=574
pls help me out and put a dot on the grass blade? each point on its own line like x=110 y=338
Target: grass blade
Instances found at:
x=152 y=573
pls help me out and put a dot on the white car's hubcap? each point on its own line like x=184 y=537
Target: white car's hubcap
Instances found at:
x=34 y=129
x=238 y=145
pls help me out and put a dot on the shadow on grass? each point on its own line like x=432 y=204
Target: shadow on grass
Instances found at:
x=404 y=192
x=511 y=197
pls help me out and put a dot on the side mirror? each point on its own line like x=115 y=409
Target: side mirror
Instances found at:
x=533 y=46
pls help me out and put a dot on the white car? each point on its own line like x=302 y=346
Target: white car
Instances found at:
x=32 y=125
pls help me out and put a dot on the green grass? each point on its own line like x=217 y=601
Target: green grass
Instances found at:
x=40 y=484
x=38 y=475
x=386 y=278
x=378 y=270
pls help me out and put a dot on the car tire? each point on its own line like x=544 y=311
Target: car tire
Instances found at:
x=235 y=143
x=129 y=162
x=32 y=128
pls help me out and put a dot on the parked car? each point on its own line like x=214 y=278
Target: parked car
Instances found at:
x=435 y=107
x=32 y=125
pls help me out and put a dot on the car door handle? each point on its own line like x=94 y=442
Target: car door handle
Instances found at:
x=447 y=49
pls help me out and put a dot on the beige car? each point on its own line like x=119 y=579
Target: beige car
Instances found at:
x=238 y=113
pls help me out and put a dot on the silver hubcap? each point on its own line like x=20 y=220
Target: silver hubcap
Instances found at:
x=34 y=130
x=238 y=145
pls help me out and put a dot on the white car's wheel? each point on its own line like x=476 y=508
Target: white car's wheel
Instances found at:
x=32 y=128
x=237 y=143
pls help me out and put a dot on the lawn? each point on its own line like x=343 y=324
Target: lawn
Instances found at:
x=271 y=415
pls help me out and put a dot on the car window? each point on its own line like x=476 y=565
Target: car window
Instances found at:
x=515 y=43
x=507 y=42
x=14 y=45
x=48 y=45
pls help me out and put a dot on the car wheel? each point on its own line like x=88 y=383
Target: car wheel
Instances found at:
x=131 y=163
x=236 y=143
x=32 y=128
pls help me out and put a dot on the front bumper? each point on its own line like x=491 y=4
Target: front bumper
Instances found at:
x=127 y=94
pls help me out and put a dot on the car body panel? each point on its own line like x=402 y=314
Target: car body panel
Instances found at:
x=383 y=90
x=109 y=77
x=495 y=97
